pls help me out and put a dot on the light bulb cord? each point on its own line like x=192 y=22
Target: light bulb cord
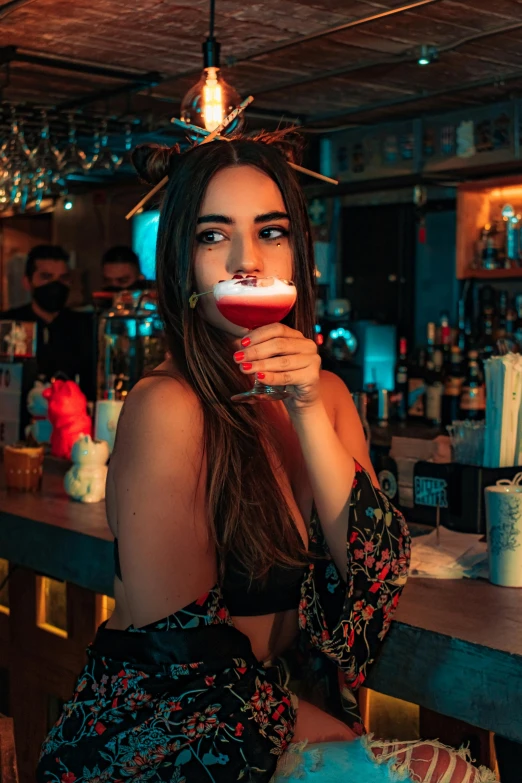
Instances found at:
x=211 y=19
x=211 y=46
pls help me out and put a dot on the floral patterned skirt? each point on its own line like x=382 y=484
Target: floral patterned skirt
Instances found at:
x=146 y=707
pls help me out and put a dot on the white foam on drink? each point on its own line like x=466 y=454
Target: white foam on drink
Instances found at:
x=265 y=287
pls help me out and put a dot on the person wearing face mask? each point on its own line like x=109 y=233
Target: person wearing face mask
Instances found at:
x=121 y=269
x=65 y=339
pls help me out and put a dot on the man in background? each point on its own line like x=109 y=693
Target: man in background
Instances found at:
x=65 y=339
x=121 y=269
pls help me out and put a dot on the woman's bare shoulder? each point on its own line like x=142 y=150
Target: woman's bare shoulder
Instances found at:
x=158 y=407
x=158 y=478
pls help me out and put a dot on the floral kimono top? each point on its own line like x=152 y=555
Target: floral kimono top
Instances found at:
x=185 y=700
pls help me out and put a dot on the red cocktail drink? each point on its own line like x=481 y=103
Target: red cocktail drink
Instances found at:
x=252 y=302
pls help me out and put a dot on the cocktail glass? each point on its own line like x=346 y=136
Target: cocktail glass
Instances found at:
x=253 y=302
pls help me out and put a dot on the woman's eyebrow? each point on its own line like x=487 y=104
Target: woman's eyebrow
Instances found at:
x=266 y=218
x=228 y=221
x=215 y=219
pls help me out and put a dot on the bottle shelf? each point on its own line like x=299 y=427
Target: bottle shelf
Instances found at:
x=492 y=274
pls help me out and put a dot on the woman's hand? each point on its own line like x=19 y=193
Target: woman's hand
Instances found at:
x=280 y=356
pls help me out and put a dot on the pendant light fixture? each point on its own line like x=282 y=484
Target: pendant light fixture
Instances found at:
x=212 y=98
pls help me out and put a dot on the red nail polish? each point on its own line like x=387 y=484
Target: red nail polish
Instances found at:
x=260 y=376
x=239 y=356
x=247 y=366
x=245 y=342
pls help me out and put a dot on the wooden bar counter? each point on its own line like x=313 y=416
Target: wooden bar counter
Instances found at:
x=455 y=647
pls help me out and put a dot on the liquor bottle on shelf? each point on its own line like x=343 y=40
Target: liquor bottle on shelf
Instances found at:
x=511 y=319
x=500 y=330
x=511 y=226
x=518 y=322
x=487 y=299
x=417 y=387
x=431 y=337
x=481 y=252
x=401 y=380
x=453 y=381
x=464 y=329
x=501 y=241
x=490 y=247
x=434 y=388
x=445 y=337
x=487 y=317
x=487 y=341
x=473 y=396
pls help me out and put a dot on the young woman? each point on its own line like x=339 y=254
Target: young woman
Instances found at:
x=252 y=542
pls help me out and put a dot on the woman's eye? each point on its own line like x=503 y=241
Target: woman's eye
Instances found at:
x=210 y=237
x=275 y=232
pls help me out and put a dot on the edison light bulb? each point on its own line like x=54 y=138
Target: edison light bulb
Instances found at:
x=210 y=101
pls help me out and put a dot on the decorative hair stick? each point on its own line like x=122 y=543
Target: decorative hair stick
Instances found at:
x=228 y=119
x=187 y=126
x=314 y=174
x=204 y=132
x=146 y=198
x=211 y=136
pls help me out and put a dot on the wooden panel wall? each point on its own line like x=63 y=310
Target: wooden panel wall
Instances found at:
x=42 y=666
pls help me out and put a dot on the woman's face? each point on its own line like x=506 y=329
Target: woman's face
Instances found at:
x=243 y=228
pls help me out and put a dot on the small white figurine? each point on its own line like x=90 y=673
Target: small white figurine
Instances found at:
x=85 y=480
x=40 y=427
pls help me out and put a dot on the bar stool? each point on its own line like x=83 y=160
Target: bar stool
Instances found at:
x=8 y=767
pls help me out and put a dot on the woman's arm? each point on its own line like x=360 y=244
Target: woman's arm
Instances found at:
x=283 y=357
x=331 y=471
x=347 y=423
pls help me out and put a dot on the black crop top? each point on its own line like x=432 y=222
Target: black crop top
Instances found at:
x=280 y=591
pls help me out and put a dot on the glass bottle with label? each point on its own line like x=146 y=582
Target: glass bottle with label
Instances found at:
x=453 y=381
x=401 y=380
x=434 y=389
x=473 y=395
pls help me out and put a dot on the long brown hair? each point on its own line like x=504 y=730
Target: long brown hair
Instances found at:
x=247 y=510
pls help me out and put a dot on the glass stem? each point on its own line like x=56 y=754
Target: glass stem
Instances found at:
x=258 y=387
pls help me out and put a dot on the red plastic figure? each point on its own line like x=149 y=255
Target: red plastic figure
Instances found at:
x=68 y=415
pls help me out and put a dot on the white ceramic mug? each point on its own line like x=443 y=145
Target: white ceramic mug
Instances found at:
x=504 y=526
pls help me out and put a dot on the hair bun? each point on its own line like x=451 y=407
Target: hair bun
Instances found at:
x=152 y=161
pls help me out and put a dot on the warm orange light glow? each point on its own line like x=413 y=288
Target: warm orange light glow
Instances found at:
x=51 y=606
x=511 y=191
x=106 y=607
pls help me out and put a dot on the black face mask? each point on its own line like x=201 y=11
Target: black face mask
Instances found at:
x=51 y=297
